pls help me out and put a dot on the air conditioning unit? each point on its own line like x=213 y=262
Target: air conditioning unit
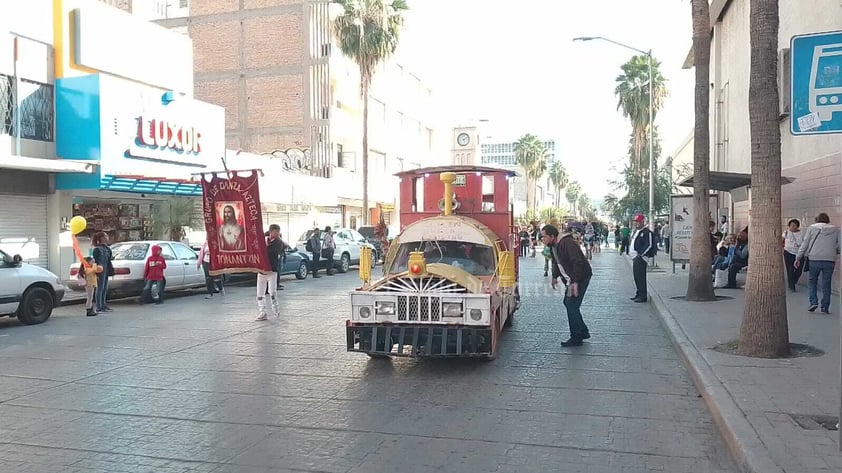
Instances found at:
x=784 y=83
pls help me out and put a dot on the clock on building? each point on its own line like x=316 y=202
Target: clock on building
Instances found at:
x=463 y=139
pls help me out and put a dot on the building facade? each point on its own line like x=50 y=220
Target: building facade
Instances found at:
x=403 y=133
x=284 y=85
x=502 y=154
x=813 y=161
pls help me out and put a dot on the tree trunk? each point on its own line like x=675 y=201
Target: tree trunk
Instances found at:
x=699 y=284
x=530 y=195
x=764 y=331
x=365 y=153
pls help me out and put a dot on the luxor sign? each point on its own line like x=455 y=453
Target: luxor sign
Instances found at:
x=159 y=134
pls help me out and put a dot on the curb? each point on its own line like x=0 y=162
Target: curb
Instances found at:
x=747 y=450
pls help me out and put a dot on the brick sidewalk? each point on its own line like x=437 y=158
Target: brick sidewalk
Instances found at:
x=754 y=400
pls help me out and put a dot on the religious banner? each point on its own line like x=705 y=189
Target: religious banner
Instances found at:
x=234 y=224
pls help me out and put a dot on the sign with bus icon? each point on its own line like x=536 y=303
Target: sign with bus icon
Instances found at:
x=816 y=83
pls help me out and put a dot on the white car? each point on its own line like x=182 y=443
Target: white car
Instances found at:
x=27 y=292
x=348 y=243
x=130 y=261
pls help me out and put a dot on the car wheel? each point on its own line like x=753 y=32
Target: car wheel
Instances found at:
x=374 y=258
x=303 y=271
x=344 y=263
x=36 y=306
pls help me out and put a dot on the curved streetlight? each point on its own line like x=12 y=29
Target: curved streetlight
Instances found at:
x=651 y=120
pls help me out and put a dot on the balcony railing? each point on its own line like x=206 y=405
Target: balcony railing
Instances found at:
x=34 y=102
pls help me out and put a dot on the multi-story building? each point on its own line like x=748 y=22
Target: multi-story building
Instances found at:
x=273 y=66
x=403 y=131
x=502 y=154
x=72 y=104
x=812 y=161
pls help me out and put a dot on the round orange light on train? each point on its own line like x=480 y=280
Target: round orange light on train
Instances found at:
x=415 y=268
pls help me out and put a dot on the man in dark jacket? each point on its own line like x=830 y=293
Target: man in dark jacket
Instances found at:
x=643 y=244
x=571 y=265
x=269 y=281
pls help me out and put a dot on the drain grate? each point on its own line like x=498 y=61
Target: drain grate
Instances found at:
x=808 y=422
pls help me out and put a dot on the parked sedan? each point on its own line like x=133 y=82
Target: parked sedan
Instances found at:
x=348 y=244
x=130 y=259
x=26 y=291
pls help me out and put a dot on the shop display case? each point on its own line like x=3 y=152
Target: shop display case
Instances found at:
x=122 y=222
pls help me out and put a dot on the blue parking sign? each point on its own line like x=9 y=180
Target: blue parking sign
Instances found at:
x=816 y=83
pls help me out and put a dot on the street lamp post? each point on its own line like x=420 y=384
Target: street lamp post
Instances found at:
x=651 y=121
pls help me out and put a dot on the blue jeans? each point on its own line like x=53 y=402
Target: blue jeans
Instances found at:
x=578 y=329
x=102 y=290
x=825 y=269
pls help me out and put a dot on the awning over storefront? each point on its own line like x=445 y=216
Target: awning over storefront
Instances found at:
x=729 y=181
x=151 y=185
x=26 y=163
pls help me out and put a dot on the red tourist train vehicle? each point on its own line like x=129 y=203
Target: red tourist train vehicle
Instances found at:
x=450 y=278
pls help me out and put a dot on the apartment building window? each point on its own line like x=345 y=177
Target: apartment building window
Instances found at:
x=183 y=3
x=36 y=111
x=7 y=105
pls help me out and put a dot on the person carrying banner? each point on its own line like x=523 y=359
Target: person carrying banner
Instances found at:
x=269 y=281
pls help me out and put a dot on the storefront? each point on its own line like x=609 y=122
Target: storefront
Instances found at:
x=150 y=144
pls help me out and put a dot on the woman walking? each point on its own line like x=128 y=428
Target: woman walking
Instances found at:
x=102 y=256
x=820 y=246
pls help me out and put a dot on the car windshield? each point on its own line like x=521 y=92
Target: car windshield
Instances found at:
x=130 y=251
x=476 y=259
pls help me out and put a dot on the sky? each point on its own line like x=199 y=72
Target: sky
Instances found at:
x=514 y=63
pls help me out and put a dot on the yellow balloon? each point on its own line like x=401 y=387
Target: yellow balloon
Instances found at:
x=78 y=224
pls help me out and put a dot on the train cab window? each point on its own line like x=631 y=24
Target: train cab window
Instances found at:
x=476 y=259
x=418 y=194
x=488 y=193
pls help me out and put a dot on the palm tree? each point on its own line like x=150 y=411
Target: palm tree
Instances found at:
x=632 y=93
x=367 y=32
x=764 y=331
x=558 y=179
x=572 y=193
x=169 y=217
x=610 y=203
x=584 y=205
x=699 y=284
x=531 y=155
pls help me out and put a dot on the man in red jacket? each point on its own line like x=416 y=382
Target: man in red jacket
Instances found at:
x=153 y=273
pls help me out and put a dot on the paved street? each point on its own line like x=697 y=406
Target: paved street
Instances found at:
x=196 y=385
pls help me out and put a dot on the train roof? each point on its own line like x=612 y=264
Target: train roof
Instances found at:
x=448 y=227
x=457 y=169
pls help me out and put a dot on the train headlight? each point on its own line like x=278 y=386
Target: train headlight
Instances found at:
x=384 y=308
x=365 y=312
x=476 y=314
x=451 y=309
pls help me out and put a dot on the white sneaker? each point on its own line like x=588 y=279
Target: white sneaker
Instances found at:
x=261 y=316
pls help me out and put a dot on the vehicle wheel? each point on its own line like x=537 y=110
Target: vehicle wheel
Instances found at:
x=510 y=319
x=303 y=271
x=36 y=306
x=344 y=263
x=374 y=259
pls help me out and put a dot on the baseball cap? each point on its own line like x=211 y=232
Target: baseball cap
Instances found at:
x=638 y=218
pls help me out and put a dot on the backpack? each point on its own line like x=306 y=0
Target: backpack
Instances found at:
x=309 y=246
